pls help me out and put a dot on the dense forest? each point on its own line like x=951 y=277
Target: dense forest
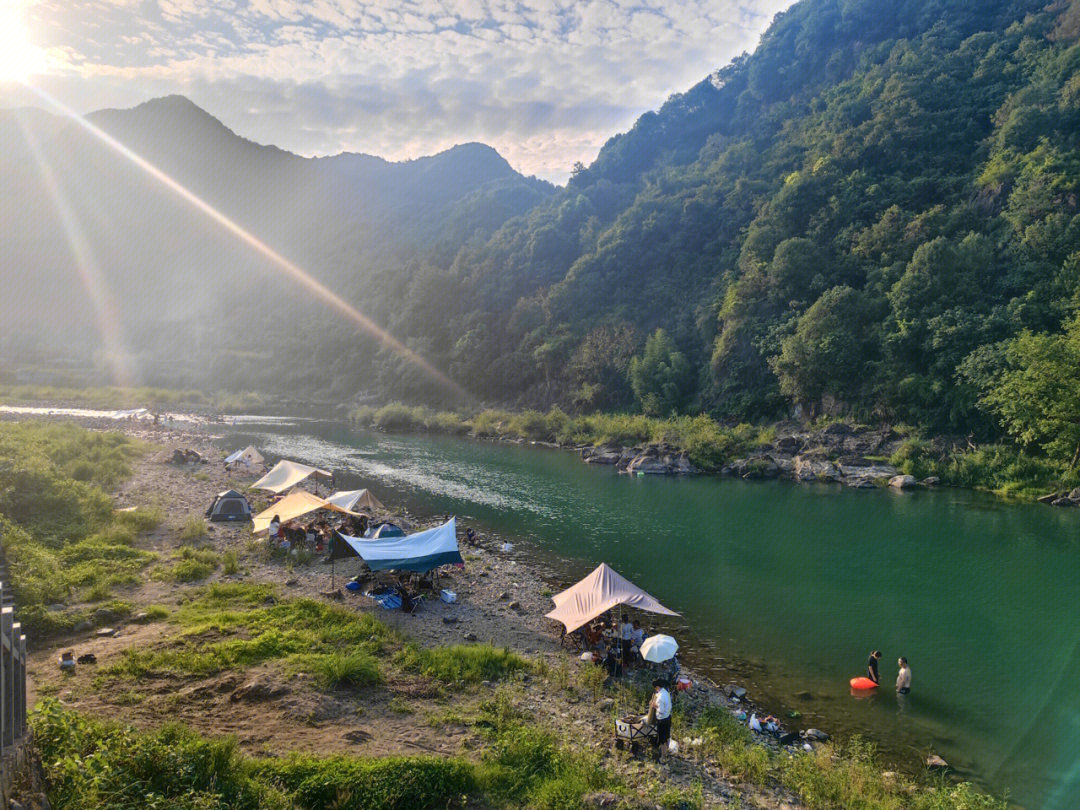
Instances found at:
x=875 y=213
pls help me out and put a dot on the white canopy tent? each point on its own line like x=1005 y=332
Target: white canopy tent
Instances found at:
x=287 y=474
x=355 y=499
x=420 y=552
x=598 y=593
x=294 y=505
x=249 y=457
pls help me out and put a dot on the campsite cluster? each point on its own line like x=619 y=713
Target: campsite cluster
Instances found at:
x=246 y=637
x=399 y=571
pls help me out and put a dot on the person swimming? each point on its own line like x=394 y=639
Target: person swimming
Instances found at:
x=872 y=666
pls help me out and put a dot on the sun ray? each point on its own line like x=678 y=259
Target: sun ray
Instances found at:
x=86 y=265
x=290 y=268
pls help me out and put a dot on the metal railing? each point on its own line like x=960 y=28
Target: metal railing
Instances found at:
x=12 y=671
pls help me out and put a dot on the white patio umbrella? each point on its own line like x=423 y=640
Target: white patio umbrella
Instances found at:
x=659 y=648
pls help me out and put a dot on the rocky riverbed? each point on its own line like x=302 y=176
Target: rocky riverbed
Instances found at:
x=839 y=453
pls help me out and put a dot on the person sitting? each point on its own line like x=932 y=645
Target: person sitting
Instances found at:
x=593 y=637
x=637 y=638
x=275 y=527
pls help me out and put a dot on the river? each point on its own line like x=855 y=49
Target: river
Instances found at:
x=786 y=588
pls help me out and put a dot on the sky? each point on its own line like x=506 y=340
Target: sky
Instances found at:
x=545 y=82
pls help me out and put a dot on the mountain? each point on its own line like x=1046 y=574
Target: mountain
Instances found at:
x=874 y=213
x=855 y=218
x=89 y=237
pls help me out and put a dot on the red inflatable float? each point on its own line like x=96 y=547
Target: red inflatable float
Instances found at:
x=863 y=683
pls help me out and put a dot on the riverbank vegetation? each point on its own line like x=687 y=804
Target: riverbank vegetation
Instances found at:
x=708 y=443
x=1003 y=468
x=62 y=538
x=91 y=763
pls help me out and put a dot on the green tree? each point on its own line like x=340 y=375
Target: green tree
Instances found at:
x=662 y=378
x=828 y=353
x=1035 y=392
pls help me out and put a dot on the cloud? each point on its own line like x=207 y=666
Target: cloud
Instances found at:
x=545 y=82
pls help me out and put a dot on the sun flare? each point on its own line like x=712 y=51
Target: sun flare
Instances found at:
x=19 y=57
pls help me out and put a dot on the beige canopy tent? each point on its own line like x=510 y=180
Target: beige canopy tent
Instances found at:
x=356 y=499
x=287 y=474
x=249 y=456
x=598 y=593
x=294 y=505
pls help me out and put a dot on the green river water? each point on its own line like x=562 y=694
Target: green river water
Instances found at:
x=785 y=588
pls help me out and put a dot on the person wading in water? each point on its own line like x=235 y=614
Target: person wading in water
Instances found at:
x=871 y=666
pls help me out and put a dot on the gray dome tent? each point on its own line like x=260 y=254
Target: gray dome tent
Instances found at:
x=381 y=530
x=229 y=505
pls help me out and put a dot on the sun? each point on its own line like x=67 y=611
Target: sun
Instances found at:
x=19 y=57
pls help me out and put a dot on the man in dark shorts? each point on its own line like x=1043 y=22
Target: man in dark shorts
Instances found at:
x=661 y=705
x=871 y=666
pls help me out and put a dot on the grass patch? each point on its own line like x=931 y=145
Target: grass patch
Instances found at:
x=236 y=626
x=192 y=565
x=58 y=528
x=192 y=529
x=462 y=663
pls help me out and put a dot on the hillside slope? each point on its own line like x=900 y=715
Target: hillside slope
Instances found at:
x=837 y=221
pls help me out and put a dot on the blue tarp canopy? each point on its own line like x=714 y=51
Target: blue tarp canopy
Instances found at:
x=420 y=552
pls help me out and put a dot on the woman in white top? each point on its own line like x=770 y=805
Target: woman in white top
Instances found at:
x=661 y=704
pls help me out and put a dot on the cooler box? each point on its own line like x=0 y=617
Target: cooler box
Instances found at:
x=448 y=596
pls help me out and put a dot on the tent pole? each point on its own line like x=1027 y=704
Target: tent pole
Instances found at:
x=332 y=565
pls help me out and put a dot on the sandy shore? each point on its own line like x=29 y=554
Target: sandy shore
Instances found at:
x=501 y=599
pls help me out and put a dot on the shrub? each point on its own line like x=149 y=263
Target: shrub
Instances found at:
x=333 y=670
x=229 y=563
x=391 y=783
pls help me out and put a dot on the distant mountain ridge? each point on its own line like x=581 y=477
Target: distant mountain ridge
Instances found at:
x=174 y=276
x=858 y=217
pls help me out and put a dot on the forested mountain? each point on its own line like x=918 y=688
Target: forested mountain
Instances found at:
x=853 y=217
x=88 y=238
x=876 y=212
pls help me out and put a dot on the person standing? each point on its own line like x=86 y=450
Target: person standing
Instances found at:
x=903 y=678
x=872 y=666
x=660 y=704
x=626 y=639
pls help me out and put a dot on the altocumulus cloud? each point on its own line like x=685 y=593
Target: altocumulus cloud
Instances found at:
x=545 y=82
